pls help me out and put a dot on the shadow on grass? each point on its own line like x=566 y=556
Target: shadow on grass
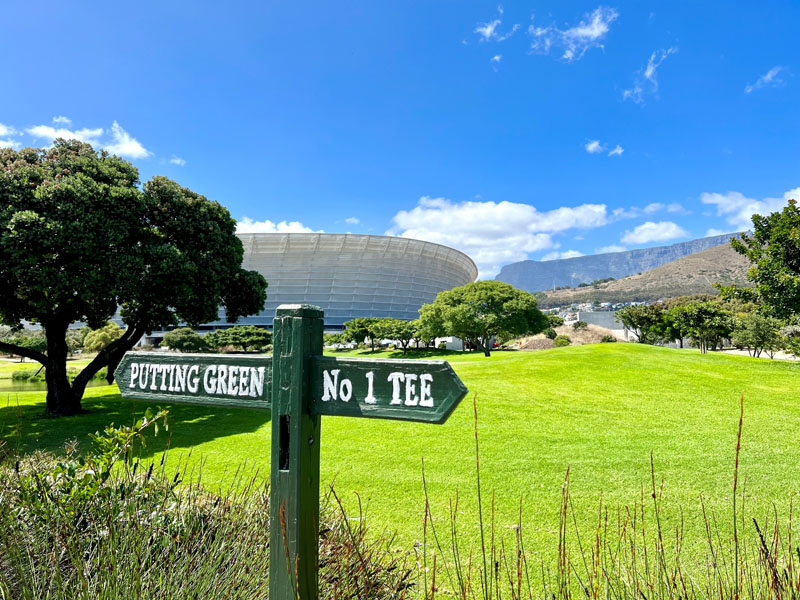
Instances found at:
x=24 y=427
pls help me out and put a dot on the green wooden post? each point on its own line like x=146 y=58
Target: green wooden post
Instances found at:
x=294 y=508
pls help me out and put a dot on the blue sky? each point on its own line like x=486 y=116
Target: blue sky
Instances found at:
x=510 y=131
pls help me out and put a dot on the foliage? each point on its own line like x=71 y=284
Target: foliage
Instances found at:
x=608 y=339
x=790 y=338
x=481 y=310
x=27 y=340
x=185 y=339
x=359 y=329
x=96 y=340
x=773 y=249
x=561 y=340
x=550 y=333
x=74 y=526
x=397 y=329
x=758 y=334
x=645 y=321
x=79 y=237
x=706 y=323
x=334 y=339
x=244 y=337
x=554 y=320
x=39 y=376
x=578 y=325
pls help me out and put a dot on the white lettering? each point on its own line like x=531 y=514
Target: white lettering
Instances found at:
x=233 y=385
x=329 y=385
x=180 y=378
x=153 y=373
x=370 y=399
x=222 y=383
x=143 y=376
x=192 y=378
x=171 y=386
x=244 y=373
x=210 y=379
x=411 y=390
x=257 y=382
x=163 y=370
x=396 y=379
x=345 y=390
x=134 y=374
x=425 y=398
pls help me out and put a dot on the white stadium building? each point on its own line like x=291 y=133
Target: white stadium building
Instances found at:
x=350 y=275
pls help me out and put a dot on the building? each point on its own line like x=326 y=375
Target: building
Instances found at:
x=607 y=319
x=350 y=275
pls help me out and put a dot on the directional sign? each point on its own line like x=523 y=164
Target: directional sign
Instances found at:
x=218 y=379
x=408 y=390
x=298 y=385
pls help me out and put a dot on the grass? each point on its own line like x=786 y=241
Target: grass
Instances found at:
x=599 y=410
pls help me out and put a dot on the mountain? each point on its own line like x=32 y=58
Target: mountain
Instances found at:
x=693 y=274
x=535 y=276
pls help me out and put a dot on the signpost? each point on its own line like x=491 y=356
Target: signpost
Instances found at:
x=299 y=385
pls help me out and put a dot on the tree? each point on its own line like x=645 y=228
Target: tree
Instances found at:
x=773 y=249
x=481 y=310
x=554 y=320
x=644 y=320
x=79 y=237
x=245 y=337
x=185 y=339
x=757 y=333
x=97 y=339
x=707 y=323
x=397 y=329
x=361 y=328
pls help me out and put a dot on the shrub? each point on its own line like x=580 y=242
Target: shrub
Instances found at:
x=607 y=339
x=442 y=346
x=578 y=325
x=561 y=341
x=550 y=333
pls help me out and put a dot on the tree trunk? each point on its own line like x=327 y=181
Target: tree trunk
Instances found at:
x=61 y=400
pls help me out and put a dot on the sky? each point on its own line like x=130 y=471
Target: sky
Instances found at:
x=521 y=130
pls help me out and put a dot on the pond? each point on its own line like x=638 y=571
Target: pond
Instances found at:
x=9 y=385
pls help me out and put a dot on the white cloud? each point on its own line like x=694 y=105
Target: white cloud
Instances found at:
x=738 y=209
x=496 y=58
x=558 y=255
x=654 y=232
x=713 y=232
x=593 y=147
x=177 y=160
x=617 y=151
x=768 y=79
x=352 y=220
x=647 y=79
x=611 y=248
x=653 y=207
x=62 y=120
x=6 y=130
x=248 y=225
x=491 y=31
x=574 y=41
x=48 y=133
x=125 y=145
x=492 y=233
x=677 y=208
x=9 y=143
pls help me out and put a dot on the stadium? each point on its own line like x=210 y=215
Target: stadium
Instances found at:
x=350 y=275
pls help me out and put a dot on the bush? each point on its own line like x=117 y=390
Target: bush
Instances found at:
x=562 y=340
x=38 y=375
x=578 y=325
x=550 y=333
x=442 y=346
x=607 y=339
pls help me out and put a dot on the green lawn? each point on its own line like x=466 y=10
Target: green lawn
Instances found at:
x=599 y=410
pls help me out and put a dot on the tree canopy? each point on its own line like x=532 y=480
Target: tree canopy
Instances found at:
x=773 y=249
x=80 y=238
x=244 y=337
x=481 y=310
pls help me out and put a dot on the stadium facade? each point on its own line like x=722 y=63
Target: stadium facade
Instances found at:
x=350 y=275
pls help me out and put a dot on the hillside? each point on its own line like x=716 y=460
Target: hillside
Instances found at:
x=534 y=276
x=693 y=274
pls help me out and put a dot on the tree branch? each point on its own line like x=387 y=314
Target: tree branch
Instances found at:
x=108 y=356
x=23 y=351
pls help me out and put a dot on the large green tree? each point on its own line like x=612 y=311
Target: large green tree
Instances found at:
x=773 y=249
x=246 y=337
x=80 y=238
x=479 y=311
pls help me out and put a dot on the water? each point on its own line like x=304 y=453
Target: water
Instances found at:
x=11 y=386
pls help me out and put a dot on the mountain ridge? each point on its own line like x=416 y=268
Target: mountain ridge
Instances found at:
x=536 y=276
